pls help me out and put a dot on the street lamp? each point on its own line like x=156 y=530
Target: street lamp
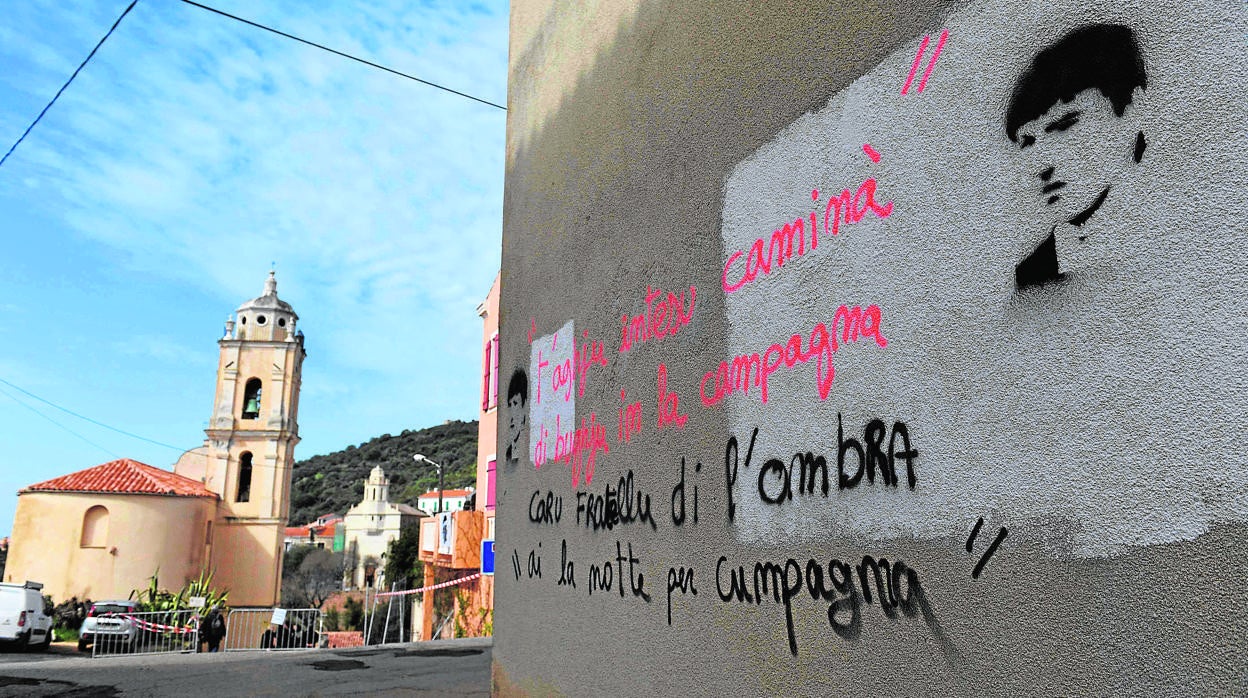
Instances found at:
x=420 y=458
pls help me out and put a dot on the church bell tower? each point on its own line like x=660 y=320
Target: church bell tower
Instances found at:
x=251 y=445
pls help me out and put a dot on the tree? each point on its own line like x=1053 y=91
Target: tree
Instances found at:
x=335 y=481
x=350 y=561
x=352 y=614
x=403 y=563
x=310 y=575
x=332 y=619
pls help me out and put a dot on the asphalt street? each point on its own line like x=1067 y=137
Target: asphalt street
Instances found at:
x=441 y=668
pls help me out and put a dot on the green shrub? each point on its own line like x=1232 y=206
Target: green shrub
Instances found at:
x=68 y=615
x=354 y=610
x=153 y=598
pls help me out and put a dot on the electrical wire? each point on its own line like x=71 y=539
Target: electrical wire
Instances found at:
x=247 y=22
x=344 y=55
x=88 y=419
x=14 y=399
x=71 y=79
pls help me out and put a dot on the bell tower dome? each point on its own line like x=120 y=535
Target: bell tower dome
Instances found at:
x=377 y=487
x=267 y=318
x=251 y=444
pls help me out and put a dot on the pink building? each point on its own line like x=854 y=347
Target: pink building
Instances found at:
x=487 y=425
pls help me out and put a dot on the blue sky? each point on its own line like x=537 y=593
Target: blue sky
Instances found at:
x=192 y=152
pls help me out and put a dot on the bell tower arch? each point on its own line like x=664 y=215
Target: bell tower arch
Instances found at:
x=250 y=445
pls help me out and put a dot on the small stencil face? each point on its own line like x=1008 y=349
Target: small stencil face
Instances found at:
x=1077 y=150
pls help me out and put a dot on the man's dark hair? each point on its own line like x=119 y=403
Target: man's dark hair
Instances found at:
x=519 y=385
x=1104 y=56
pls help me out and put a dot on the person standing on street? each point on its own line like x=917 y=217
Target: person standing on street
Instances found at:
x=214 y=629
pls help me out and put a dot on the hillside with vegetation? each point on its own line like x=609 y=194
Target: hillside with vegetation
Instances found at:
x=334 y=482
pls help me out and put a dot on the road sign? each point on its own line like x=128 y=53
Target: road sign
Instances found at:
x=487 y=557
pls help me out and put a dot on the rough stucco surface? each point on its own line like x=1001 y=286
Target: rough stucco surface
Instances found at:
x=137 y=542
x=1095 y=420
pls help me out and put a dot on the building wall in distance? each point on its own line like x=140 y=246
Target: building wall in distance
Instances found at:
x=487 y=451
x=487 y=419
x=371 y=526
x=1029 y=419
x=47 y=538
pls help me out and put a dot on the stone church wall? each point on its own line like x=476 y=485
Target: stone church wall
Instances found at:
x=136 y=541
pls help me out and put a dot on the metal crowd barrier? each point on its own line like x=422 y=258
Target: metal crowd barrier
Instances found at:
x=156 y=632
x=273 y=629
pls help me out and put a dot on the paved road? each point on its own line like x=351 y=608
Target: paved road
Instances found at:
x=442 y=668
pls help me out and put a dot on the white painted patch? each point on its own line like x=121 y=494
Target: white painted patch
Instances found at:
x=552 y=393
x=1111 y=404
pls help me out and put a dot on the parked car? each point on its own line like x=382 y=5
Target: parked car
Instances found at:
x=23 y=620
x=108 y=624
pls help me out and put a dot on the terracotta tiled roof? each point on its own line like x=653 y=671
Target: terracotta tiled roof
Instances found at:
x=325 y=531
x=125 y=476
x=446 y=494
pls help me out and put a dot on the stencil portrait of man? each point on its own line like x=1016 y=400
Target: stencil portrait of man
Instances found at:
x=1073 y=114
x=517 y=417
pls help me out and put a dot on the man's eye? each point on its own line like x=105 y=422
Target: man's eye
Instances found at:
x=1027 y=140
x=1063 y=123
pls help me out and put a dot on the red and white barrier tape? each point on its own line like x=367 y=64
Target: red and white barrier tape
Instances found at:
x=453 y=582
x=145 y=625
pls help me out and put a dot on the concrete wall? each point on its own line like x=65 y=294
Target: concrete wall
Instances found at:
x=48 y=545
x=1030 y=417
x=247 y=560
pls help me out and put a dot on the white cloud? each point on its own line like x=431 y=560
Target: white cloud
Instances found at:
x=164 y=350
x=201 y=149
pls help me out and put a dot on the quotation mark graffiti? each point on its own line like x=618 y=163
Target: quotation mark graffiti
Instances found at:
x=992 y=548
x=918 y=58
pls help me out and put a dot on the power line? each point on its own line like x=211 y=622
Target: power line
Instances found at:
x=344 y=55
x=88 y=419
x=71 y=79
x=6 y=394
x=244 y=21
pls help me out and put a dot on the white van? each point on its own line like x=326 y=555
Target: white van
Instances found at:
x=22 y=620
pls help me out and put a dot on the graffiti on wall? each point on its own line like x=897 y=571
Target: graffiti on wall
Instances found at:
x=900 y=350
x=560 y=370
x=1009 y=303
